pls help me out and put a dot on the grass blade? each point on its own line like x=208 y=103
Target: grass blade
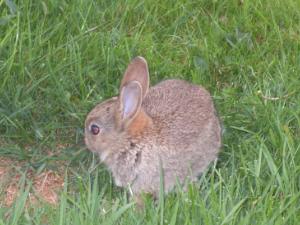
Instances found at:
x=233 y=212
x=116 y=215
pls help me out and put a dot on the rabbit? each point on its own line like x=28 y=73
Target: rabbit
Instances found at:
x=170 y=130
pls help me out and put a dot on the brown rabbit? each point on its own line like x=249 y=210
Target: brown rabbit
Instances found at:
x=170 y=127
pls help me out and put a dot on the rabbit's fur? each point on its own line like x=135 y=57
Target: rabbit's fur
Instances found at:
x=171 y=127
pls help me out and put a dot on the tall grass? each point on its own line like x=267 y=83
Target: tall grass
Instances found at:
x=59 y=58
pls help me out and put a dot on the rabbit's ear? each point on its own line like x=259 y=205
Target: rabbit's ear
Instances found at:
x=137 y=70
x=130 y=101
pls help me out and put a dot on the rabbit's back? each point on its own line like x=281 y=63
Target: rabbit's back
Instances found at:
x=181 y=111
x=188 y=133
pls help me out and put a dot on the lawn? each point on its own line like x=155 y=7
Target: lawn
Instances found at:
x=59 y=58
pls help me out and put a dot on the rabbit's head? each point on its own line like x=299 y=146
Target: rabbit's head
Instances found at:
x=114 y=124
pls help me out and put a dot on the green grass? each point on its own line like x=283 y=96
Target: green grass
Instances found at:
x=59 y=58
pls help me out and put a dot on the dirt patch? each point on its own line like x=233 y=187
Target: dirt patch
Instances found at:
x=11 y=192
x=4 y=163
x=45 y=185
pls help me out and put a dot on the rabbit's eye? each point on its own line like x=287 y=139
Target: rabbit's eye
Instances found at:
x=95 y=129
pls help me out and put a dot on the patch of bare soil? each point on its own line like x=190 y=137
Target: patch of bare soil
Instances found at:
x=45 y=185
x=3 y=166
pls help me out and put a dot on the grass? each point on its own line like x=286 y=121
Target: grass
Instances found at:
x=59 y=58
